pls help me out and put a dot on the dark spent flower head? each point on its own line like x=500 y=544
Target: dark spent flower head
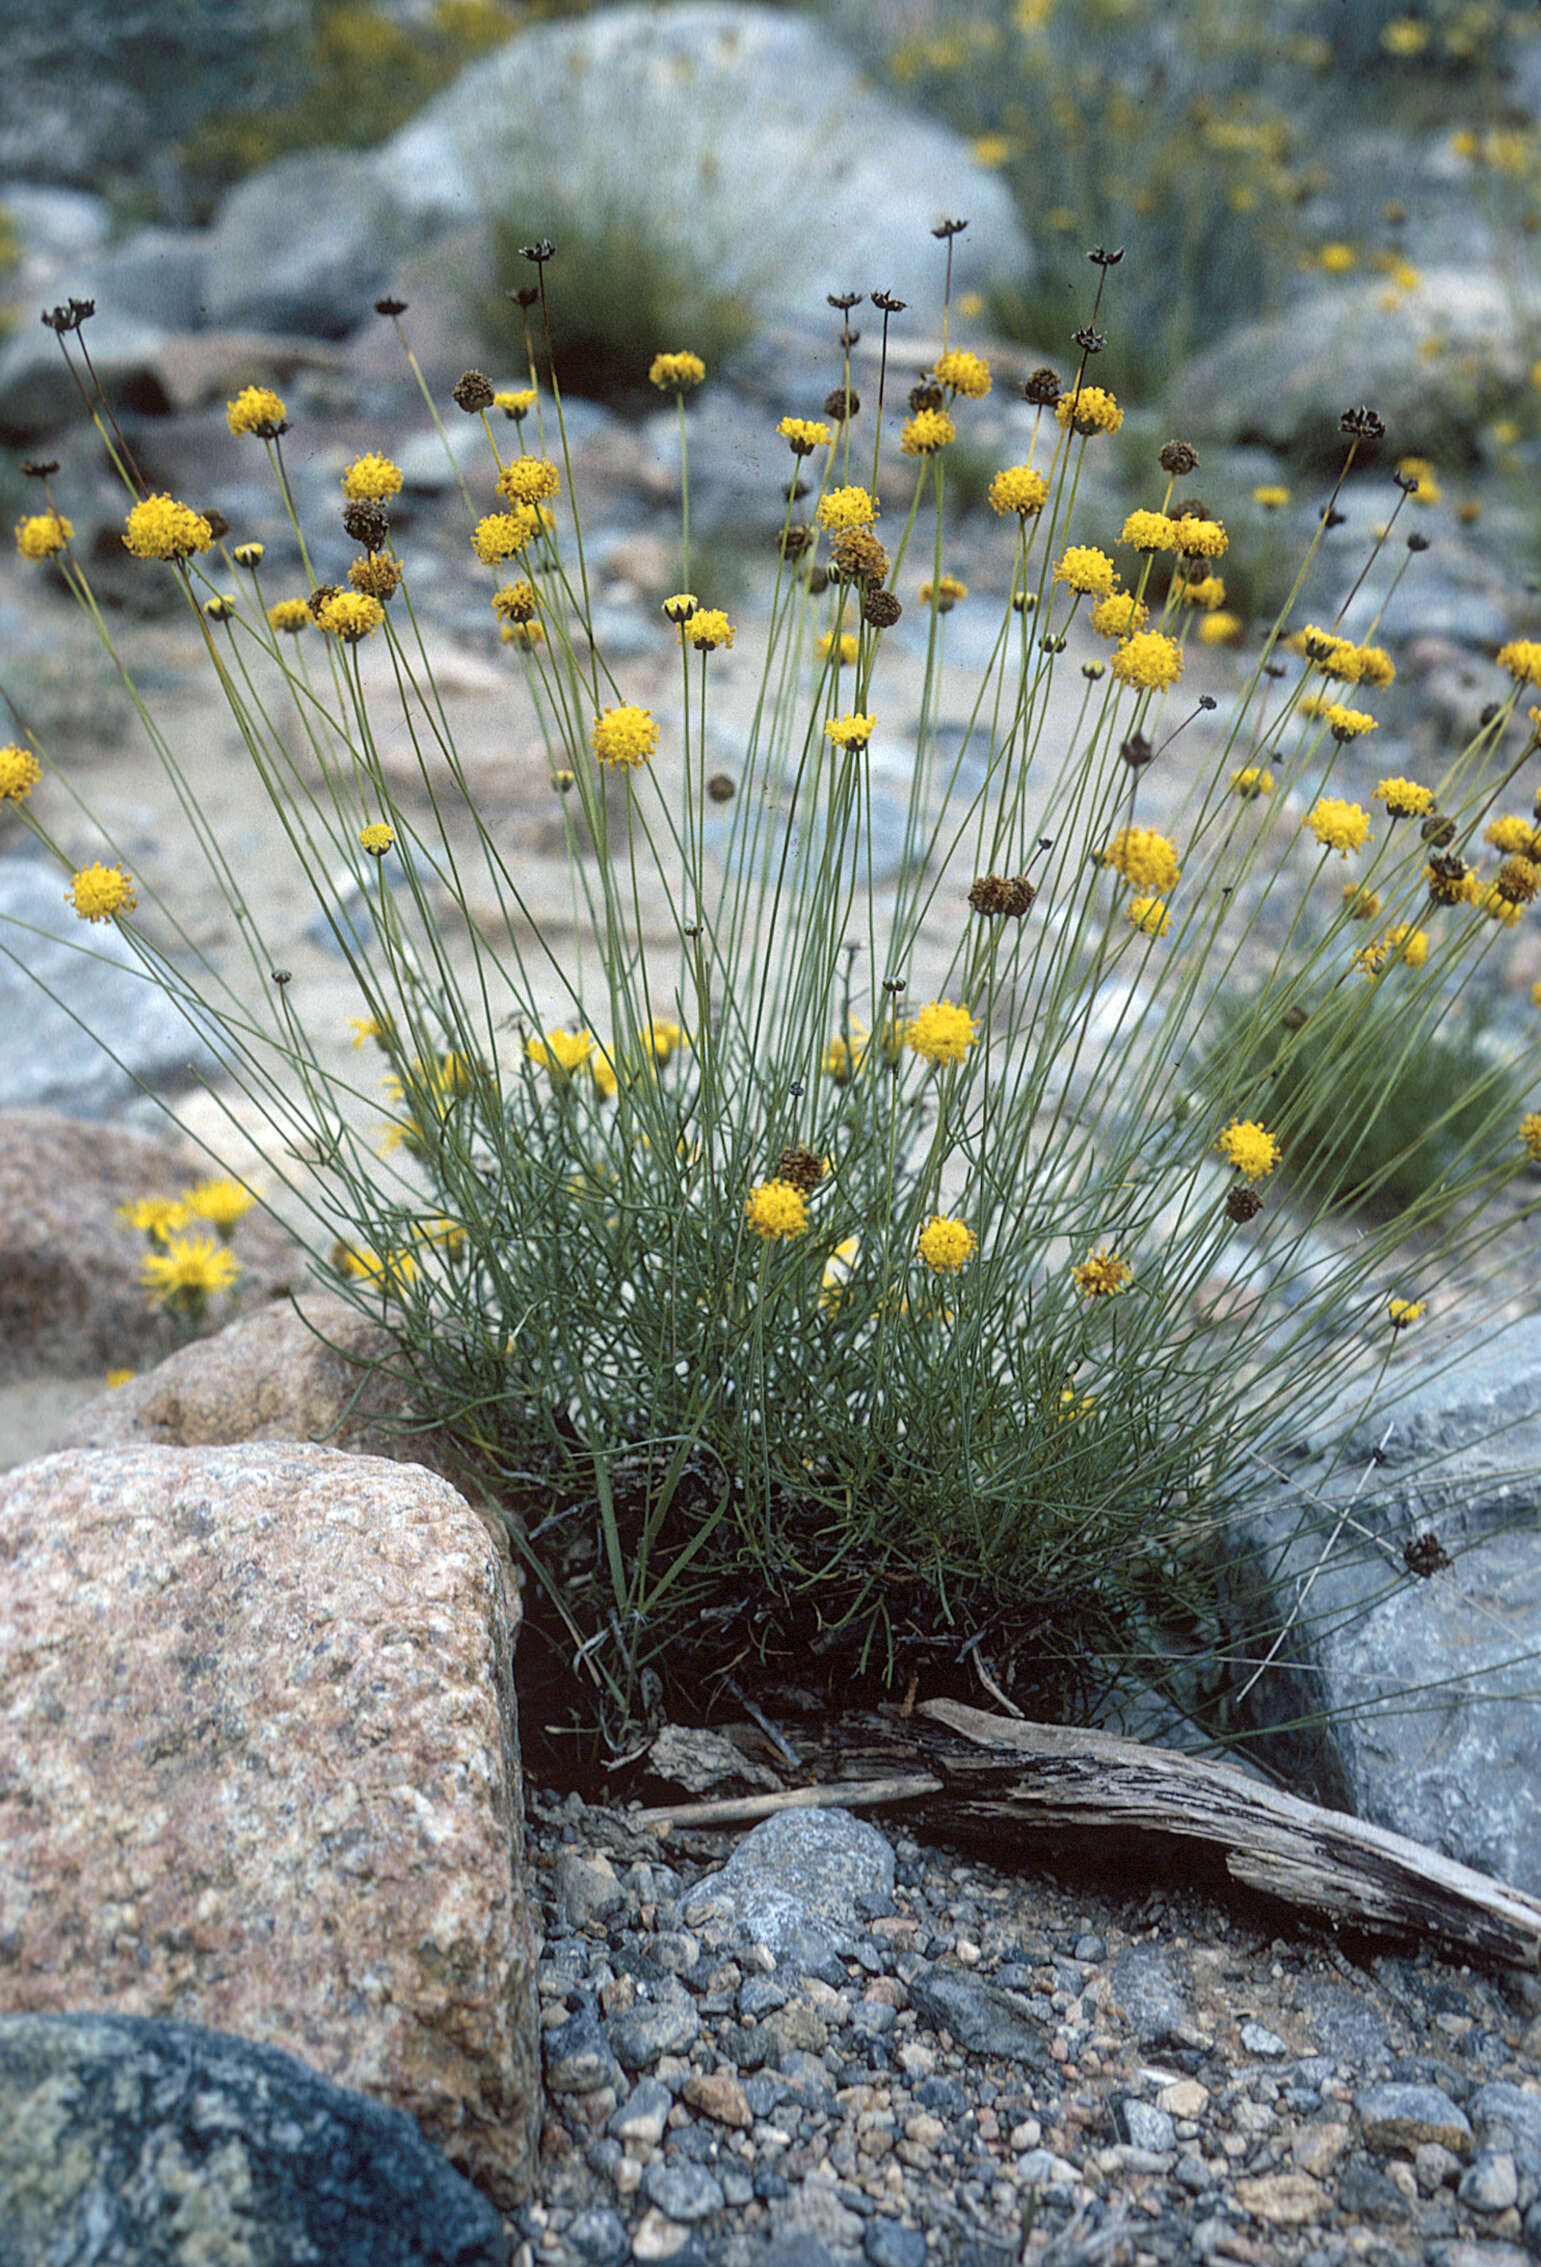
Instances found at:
x=1362 y=424
x=1207 y=701
x=1002 y=896
x=218 y=525
x=1088 y=340
x=390 y=306
x=473 y=392
x=70 y=316
x=1243 y=1204
x=844 y=300
x=1425 y=1555
x=1408 y=482
x=804 y=1168
x=927 y=395
x=1102 y=258
x=525 y=295
x=321 y=595
x=888 y=303
x=945 y=228
x=1438 y=830
x=367 y=521
x=1042 y=387
x=39 y=468
x=539 y=252
x=850 y=339
x=1417 y=542
x=721 y=787
x=795 y=540
x=818 y=580
x=842 y=403
x=1330 y=518
x=880 y=609
x=1179 y=458
x=1137 y=751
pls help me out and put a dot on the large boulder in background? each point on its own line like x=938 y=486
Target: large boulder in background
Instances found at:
x=739 y=140
x=305 y=245
x=1406 y=1697
x=71 y=1298
x=1435 y=366
x=122 y=2138
x=259 y=1770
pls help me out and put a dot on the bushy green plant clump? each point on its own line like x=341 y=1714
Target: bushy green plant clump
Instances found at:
x=830 y=1256
x=1199 y=138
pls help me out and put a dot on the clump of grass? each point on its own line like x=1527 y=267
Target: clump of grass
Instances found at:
x=824 y=1258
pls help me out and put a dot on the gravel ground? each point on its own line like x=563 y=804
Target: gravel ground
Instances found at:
x=937 y=2059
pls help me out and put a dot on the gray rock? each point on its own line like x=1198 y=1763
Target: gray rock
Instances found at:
x=889 y=2243
x=1398 y=2116
x=651 y=2028
x=801 y=1869
x=1490 y=2183
x=37 y=394
x=1510 y=2106
x=305 y=245
x=97 y=983
x=1147 y=1987
x=1258 y=2039
x=599 y=2236
x=642 y=2116
x=124 y=2140
x=1286 y=380
x=1342 y=2025
x=1453 y=1767
x=577 y=2054
x=756 y=153
x=587 y=1888
x=1147 y=2127
x=685 y=2192
x=161 y=273
x=982 y=2017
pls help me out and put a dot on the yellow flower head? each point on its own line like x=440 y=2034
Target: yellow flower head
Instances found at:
x=850 y=732
x=1271 y=496
x=1091 y=409
x=1403 y=1313
x=160 y=528
x=1102 y=1275
x=290 y=615
x=1425 y=488
x=1019 y=489
x=256 y=410
x=560 y=1053
x=189 y=1270
x=707 y=628
x=516 y=402
x=965 y=373
x=1251 y=781
x=1149 y=660
x=946 y=1245
x=1403 y=798
x=1082 y=567
x=529 y=480
x=1337 y=259
x=1338 y=825
x=156 y=1216
x=1144 y=859
x=677 y=373
x=1152 y=531
x=624 y=737
x=20 y=772
x=804 y=434
x=1514 y=836
x=503 y=535
x=350 y=615
x=1202 y=539
x=846 y=507
x=847 y=645
x=41 y=535
x=515 y=602
x=99 y=892
x=1405 y=943
x=1149 y=915
x=1251 y=1148
x=926 y=432
x=223 y=1203
x=1118 y=615
x=1376 y=666
x=1349 y=723
x=376 y=839
x=1334 y=656
x=946 y=593
x=1205 y=591
x=1220 y=628
x=1530 y=1135
x=941 y=1032
x=1522 y=659
x=371 y=479
x=776 y=1211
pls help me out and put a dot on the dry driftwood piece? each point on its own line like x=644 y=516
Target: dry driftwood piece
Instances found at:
x=975 y=1771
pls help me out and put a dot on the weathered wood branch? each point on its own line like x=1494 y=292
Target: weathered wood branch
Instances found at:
x=972 y=1772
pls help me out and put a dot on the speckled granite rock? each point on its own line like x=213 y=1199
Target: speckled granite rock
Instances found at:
x=124 y=2141
x=259 y=1770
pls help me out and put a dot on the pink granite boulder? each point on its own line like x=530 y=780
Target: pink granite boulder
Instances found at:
x=259 y=1771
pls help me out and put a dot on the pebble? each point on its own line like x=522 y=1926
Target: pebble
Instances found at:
x=867 y=2093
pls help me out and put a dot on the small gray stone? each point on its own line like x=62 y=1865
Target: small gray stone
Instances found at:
x=599 y=2236
x=587 y=1888
x=1258 y=2039
x=644 y=2113
x=801 y=1870
x=685 y=2192
x=1146 y=2126
x=1146 y=1986
x=577 y=2055
x=651 y=2028
x=757 y=1995
x=889 y=2243
x=1399 y=2117
x=982 y=2017
x=1490 y=2183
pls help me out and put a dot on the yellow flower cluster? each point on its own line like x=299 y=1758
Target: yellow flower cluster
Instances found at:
x=846 y=507
x=160 y=528
x=20 y=772
x=515 y=403
x=1521 y=657
x=1118 y=615
x=376 y=839
x=1250 y=1147
x=624 y=737
x=503 y=535
x=256 y=410
x=967 y=374
x=707 y=628
x=776 y=1211
x=804 y=434
x=1403 y=798
x=941 y=1032
x=1102 y=1275
x=1251 y=781
x=99 y=892
x=42 y=534
x=371 y=479
x=1144 y=859
x=1090 y=409
x=1151 y=531
x=850 y=732
x=1082 y=567
x=515 y=602
x=560 y=1053
x=1149 y=915
x=926 y=432
x=188 y=1270
x=290 y=615
x=1338 y=825
x=1019 y=489
x=529 y=480
x=1148 y=660
x=1202 y=539
x=677 y=373
x=946 y=1245
x=350 y=615
x=1348 y=723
